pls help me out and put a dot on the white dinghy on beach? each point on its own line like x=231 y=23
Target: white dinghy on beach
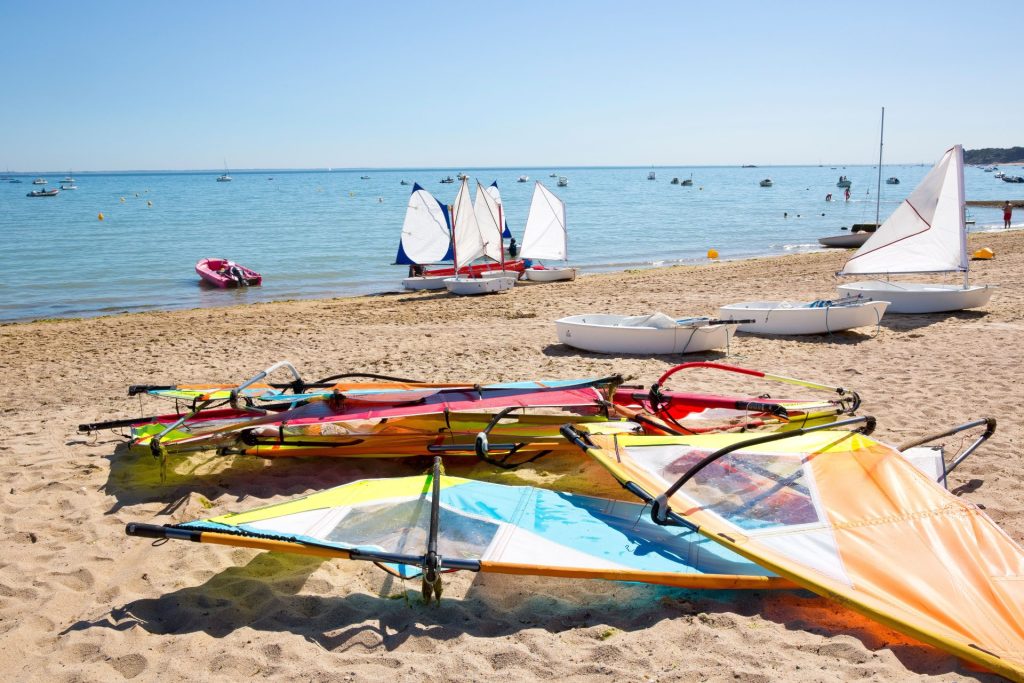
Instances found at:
x=809 y=317
x=545 y=237
x=426 y=238
x=643 y=334
x=473 y=241
x=926 y=234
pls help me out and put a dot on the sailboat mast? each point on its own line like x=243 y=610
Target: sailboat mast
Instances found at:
x=565 y=232
x=878 y=190
x=455 y=253
x=501 y=235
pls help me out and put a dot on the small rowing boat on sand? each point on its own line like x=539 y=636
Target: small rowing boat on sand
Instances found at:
x=646 y=334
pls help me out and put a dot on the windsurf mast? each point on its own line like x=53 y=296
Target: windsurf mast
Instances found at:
x=432 y=561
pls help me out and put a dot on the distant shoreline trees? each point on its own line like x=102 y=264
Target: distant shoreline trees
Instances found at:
x=994 y=155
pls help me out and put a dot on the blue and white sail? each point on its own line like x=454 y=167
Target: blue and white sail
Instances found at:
x=426 y=232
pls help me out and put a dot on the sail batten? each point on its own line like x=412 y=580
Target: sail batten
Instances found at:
x=545 y=236
x=926 y=233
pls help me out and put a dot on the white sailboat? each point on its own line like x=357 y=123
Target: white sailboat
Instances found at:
x=426 y=238
x=224 y=177
x=545 y=237
x=473 y=240
x=926 y=234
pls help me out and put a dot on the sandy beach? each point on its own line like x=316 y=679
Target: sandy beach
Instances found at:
x=80 y=601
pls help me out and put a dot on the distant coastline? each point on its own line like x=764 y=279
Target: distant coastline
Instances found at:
x=994 y=155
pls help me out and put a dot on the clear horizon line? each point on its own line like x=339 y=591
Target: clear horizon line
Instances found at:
x=346 y=169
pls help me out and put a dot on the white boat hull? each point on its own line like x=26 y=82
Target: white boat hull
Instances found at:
x=549 y=274
x=514 y=274
x=472 y=286
x=852 y=240
x=422 y=282
x=914 y=297
x=600 y=334
x=796 y=318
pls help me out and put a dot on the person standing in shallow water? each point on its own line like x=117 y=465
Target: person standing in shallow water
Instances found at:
x=1007 y=214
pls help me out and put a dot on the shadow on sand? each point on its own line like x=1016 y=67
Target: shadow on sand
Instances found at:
x=265 y=595
x=902 y=321
x=564 y=350
x=134 y=478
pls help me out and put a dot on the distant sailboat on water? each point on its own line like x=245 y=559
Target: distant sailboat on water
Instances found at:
x=224 y=177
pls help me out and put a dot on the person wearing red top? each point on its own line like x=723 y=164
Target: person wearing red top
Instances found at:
x=1007 y=213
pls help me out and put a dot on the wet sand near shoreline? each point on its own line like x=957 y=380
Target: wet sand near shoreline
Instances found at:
x=81 y=601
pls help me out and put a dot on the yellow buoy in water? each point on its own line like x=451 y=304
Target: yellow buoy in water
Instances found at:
x=122 y=200
x=712 y=253
x=99 y=215
x=983 y=254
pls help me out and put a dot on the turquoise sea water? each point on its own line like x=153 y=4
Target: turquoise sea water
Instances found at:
x=330 y=233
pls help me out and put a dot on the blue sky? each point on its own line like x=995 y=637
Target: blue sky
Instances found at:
x=182 y=85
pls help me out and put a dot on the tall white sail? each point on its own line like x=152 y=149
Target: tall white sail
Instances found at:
x=926 y=233
x=426 y=232
x=469 y=240
x=488 y=221
x=545 y=236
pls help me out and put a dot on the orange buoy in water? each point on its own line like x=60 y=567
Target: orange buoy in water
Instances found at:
x=712 y=253
x=100 y=215
x=983 y=254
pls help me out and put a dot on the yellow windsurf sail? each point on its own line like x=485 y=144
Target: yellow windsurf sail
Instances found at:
x=846 y=517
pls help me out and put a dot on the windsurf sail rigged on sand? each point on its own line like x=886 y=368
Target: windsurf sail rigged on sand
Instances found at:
x=691 y=413
x=430 y=523
x=391 y=423
x=846 y=517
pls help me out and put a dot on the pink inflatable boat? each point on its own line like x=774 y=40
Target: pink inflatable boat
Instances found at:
x=222 y=273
